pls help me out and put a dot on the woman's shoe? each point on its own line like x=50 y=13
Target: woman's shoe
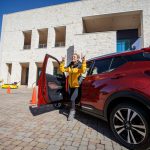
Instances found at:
x=71 y=115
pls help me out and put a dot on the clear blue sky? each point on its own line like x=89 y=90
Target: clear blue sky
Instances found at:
x=10 y=6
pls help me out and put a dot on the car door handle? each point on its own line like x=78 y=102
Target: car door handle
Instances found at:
x=118 y=76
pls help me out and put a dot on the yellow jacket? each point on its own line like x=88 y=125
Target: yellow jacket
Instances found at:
x=74 y=73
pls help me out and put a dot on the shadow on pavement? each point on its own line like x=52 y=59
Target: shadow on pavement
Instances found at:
x=97 y=124
x=40 y=110
x=90 y=121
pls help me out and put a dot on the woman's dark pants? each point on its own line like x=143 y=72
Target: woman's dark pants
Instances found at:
x=73 y=95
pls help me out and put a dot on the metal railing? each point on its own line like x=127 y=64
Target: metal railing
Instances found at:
x=59 y=44
x=27 y=47
x=129 y=44
x=42 y=45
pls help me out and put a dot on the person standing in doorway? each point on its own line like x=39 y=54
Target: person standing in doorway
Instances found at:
x=75 y=69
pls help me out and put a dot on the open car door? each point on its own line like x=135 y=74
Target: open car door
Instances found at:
x=51 y=83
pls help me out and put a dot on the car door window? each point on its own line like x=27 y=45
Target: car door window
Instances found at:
x=52 y=68
x=88 y=68
x=117 y=62
x=55 y=80
x=101 y=66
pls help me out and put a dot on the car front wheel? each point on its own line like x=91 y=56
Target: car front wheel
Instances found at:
x=129 y=124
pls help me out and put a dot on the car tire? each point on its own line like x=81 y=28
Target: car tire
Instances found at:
x=57 y=105
x=130 y=125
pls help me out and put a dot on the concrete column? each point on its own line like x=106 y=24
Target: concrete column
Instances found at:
x=0 y=64
x=4 y=72
x=1 y=48
x=34 y=39
x=146 y=28
x=16 y=72
x=51 y=38
x=0 y=60
x=32 y=74
x=50 y=67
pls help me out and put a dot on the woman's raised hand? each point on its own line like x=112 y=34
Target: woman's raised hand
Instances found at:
x=82 y=57
x=63 y=58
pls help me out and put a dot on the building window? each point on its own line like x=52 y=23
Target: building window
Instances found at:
x=128 y=40
x=9 y=67
x=27 y=39
x=43 y=34
x=56 y=70
x=24 y=73
x=60 y=36
x=39 y=70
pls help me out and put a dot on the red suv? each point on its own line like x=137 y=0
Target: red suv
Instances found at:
x=115 y=88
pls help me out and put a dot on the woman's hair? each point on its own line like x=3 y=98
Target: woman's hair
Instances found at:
x=78 y=56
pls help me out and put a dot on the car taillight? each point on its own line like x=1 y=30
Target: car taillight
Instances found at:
x=147 y=72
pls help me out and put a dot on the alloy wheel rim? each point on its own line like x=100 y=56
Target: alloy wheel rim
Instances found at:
x=129 y=125
x=57 y=105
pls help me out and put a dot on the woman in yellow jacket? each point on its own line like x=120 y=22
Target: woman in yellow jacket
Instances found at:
x=75 y=70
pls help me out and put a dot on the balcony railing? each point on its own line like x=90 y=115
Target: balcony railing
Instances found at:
x=129 y=44
x=59 y=44
x=27 y=47
x=42 y=45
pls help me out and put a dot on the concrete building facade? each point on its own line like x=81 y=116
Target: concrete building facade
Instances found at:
x=93 y=27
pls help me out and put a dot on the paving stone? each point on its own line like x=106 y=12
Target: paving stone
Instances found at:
x=76 y=144
x=53 y=147
x=58 y=143
x=24 y=144
x=68 y=143
x=100 y=146
x=27 y=139
x=71 y=148
x=85 y=139
x=84 y=143
x=82 y=147
x=33 y=143
x=108 y=147
x=19 y=137
x=42 y=145
x=36 y=148
x=42 y=140
x=7 y=143
x=9 y=147
x=1 y=147
x=17 y=142
x=91 y=147
x=18 y=148
x=27 y=148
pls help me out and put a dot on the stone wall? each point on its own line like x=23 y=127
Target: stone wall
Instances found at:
x=95 y=44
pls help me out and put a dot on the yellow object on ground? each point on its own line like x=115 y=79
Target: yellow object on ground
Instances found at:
x=12 y=86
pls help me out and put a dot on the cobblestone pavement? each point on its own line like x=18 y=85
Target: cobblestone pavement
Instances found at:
x=46 y=128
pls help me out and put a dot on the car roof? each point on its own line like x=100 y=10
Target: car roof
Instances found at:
x=129 y=52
